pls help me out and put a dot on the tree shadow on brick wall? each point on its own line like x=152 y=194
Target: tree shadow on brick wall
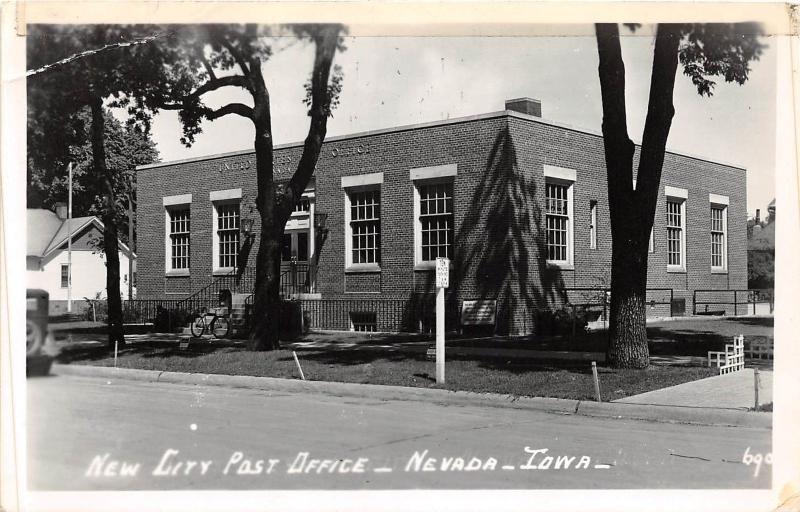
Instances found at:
x=501 y=244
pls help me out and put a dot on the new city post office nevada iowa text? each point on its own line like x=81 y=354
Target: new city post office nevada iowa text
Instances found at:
x=517 y=203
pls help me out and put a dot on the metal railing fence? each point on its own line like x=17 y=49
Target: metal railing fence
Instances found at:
x=741 y=299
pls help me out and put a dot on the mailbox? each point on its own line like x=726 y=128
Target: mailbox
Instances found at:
x=39 y=343
x=37 y=304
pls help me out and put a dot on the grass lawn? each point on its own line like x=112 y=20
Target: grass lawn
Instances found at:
x=689 y=337
x=560 y=379
x=363 y=362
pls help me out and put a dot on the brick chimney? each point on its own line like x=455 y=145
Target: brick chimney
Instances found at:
x=527 y=106
x=61 y=210
x=758 y=215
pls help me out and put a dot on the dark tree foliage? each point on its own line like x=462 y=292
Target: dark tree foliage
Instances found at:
x=127 y=147
x=79 y=71
x=218 y=56
x=706 y=51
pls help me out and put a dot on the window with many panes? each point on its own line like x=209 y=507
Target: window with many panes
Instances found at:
x=365 y=227
x=303 y=205
x=557 y=222
x=64 y=276
x=179 y=238
x=717 y=237
x=436 y=220
x=364 y=321
x=227 y=235
x=675 y=233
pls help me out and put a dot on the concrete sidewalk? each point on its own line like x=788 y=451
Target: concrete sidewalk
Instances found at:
x=657 y=413
x=733 y=390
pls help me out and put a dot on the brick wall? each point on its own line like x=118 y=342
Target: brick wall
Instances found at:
x=498 y=216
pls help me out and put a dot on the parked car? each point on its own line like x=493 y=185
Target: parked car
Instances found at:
x=41 y=347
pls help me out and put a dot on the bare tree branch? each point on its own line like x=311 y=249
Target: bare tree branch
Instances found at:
x=87 y=53
x=206 y=64
x=211 y=85
x=217 y=83
x=236 y=54
x=231 y=108
x=660 y=112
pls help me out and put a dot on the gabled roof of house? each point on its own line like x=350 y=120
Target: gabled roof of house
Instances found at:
x=46 y=232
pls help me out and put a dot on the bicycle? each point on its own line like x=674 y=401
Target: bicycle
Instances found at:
x=218 y=323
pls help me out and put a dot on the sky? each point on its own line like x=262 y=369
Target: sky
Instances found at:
x=391 y=81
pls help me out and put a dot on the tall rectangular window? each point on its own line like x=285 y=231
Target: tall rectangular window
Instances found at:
x=227 y=235
x=675 y=233
x=436 y=220
x=557 y=221
x=286 y=247
x=593 y=224
x=179 y=219
x=64 y=276
x=365 y=227
x=718 y=228
x=302 y=206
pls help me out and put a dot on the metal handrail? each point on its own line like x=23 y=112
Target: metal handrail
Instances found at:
x=206 y=287
x=604 y=301
x=769 y=292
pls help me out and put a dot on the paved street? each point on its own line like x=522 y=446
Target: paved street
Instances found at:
x=96 y=434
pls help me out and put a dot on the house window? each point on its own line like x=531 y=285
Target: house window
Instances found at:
x=558 y=197
x=651 y=246
x=364 y=321
x=365 y=227
x=436 y=220
x=64 y=276
x=302 y=206
x=593 y=224
x=227 y=215
x=676 y=227
x=718 y=235
x=179 y=219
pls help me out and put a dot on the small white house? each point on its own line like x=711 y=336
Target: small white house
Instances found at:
x=47 y=259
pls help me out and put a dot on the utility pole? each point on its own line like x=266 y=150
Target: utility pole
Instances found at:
x=69 y=240
x=130 y=245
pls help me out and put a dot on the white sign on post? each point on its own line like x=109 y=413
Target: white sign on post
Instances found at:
x=442 y=282
x=442 y=272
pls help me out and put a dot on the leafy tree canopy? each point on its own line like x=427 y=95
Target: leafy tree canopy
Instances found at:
x=209 y=57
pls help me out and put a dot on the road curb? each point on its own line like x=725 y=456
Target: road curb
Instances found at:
x=657 y=413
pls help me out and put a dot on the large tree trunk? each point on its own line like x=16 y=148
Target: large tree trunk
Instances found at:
x=627 y=330
x=110 y=235
x=266 y=300
x=274 y=206
x=632 y=210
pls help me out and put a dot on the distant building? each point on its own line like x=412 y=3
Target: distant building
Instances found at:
x=47 y=259
x=761 y=250
x=518 y=204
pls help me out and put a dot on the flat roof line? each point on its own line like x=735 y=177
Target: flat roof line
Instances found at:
x=428 y=124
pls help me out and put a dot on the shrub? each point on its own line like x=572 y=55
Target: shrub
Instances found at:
x=100 y=312
x=560 y=321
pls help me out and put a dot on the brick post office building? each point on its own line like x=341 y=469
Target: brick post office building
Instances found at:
x=517 y=203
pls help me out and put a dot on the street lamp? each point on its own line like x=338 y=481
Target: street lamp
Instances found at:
x=320 y=221
x=246 y=227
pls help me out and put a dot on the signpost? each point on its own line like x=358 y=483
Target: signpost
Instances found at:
x=442 y=282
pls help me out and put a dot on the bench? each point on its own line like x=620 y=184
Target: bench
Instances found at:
x=761 y=348
x=731 y=359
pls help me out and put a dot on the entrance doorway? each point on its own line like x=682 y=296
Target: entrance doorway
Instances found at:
x=294 y=246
